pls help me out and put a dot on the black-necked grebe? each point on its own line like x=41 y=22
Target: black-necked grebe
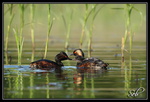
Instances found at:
x=48 y=64
x=88 y=63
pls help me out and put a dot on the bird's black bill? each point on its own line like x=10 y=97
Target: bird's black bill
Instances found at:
x=69 y=59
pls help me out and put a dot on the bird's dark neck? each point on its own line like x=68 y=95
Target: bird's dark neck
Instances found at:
x=59 y=62
x=80 y=58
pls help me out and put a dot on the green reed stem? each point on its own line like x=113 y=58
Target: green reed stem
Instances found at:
x=94 y=14
x=130 y=42
x=32 y=8
x=122 y=49
x=18 y=37
x=90 y=35
x=90 y=43
x=21 y=8
x=86 y=16
x=68 y=30
x=49 y=29
x=83 y=25
x=128 y=9
x=129 y=32
x=19 y=42
x=8 y=31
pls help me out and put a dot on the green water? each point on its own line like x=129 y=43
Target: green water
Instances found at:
x=23 y=83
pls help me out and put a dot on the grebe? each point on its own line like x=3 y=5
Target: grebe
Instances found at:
x=88 y=63
x=48 y=64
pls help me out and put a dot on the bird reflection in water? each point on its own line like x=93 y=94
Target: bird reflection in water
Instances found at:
x=81 y=75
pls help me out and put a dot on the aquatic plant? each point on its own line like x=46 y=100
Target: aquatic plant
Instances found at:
x=18 y=36
x=87 y=24
x=129 y=31
x=128 y=27
x=19 y=42
x=67 y=27
x=88 y=12
x=91 y=30
x=84 y=21
x=32 y=10
x=122 y=49
x=21 y=8
x=50 y=23
x=93 y=12
x=10 y=8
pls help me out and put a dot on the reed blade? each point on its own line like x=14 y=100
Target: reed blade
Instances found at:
x=32 y=10
x=10 y=6
x=50 y=24
x=68 y=28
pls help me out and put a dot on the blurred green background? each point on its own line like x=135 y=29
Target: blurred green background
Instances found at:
x=108 y=29
x=109 y=24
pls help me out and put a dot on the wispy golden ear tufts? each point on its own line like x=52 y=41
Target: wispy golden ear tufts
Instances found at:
x=78 y=52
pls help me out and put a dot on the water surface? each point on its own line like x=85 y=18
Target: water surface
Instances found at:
x=116 y=83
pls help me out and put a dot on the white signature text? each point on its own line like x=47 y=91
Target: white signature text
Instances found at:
x=134 y=93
